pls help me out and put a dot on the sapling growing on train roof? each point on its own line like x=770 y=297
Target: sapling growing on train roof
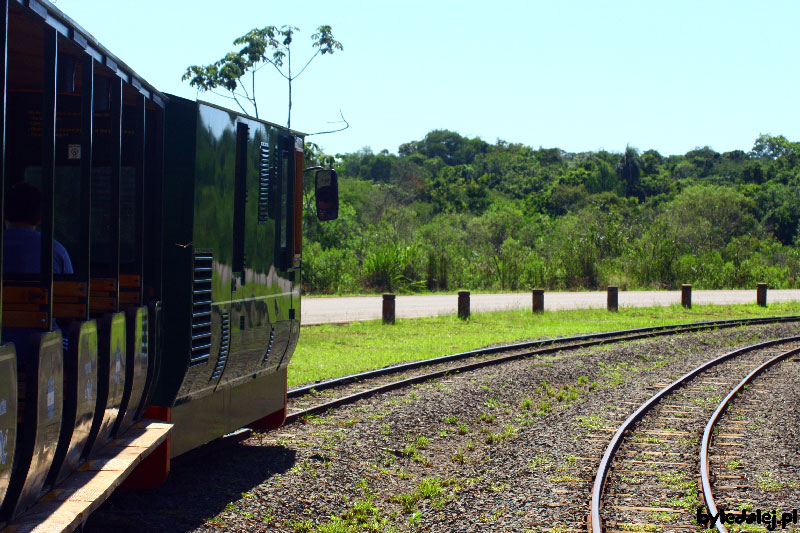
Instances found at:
x=269 y=45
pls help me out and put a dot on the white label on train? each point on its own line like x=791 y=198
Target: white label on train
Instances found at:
x=3 y=441
x=73 y=151
x=3 y=408
x=51 y=398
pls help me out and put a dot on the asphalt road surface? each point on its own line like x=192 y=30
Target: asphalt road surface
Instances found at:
x=354 y=308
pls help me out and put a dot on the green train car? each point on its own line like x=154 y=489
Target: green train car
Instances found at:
x=183 y=225
x=232 y=238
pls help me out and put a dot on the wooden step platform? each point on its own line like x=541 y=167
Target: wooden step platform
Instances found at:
x=68 y=505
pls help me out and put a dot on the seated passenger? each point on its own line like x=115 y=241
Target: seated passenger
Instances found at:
x=22 y=244
x=22 y=249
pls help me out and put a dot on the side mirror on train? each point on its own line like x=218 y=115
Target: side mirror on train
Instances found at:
x=326 y=187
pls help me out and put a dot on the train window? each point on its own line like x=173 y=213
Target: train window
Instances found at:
x=284 y=200
x=106 y=156
x=103 y=240
x=128 y=252
x=66 y=196
x=67 y=219
x=102 y=224
x=240 y=197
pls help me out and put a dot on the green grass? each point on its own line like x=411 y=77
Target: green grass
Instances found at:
x=332 y=350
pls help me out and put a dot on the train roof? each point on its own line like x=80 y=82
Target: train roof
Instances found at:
x=66 y=26
x=249 y=117
x=70 y=29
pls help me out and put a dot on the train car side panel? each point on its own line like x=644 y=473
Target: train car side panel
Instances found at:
x=177 y=250
x=235 y=299
x=212 y=233
x=226 y=410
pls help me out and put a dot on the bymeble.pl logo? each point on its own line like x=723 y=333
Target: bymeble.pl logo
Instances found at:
x=768 y=519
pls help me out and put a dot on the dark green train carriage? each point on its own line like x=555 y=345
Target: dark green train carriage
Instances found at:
x=233 y=200
x=183 y=224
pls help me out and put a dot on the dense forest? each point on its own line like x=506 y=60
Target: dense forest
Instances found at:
x=451 y=212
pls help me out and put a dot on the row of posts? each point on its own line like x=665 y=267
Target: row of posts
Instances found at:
x=612 y=301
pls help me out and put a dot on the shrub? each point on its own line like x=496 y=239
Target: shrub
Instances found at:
x=329 y=271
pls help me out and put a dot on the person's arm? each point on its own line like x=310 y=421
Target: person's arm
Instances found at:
x=62 y=263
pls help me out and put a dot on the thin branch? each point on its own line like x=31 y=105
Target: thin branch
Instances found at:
x=255 y=105
x=251 y=99
x=246 y=94
x=289 y=71
x=276 y=68
x=347 y=125
x=240 y=105
x=212 y=91
x=306 y=65
x=231 y=98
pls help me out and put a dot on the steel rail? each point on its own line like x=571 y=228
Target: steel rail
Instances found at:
x=395 y=369
x=705 y=465
x=595 y=522
x=639 y=333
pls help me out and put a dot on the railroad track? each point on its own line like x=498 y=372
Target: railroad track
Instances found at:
x=647 y=477
x=731 y=479
x=309 y=400
x=510 y=452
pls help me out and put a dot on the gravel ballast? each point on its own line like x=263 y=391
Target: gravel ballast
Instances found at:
x=505 y=448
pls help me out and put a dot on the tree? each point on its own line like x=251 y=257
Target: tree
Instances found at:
x=704 y=159
x=651 y=162
x=603 y=178
x=629 y=171
x=707 y=217
x=449 y=145
x=261 y=47
x=771 y=147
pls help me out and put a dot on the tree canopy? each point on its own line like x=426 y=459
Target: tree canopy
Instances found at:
x=451 y=212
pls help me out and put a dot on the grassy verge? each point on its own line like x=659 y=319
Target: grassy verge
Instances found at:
x=329 y=351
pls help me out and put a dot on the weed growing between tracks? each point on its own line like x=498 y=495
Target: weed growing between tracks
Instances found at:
x=330 y=350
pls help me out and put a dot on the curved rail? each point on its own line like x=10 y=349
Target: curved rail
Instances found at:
x=705 y=444
x=352 y=378
x=554 y=346
x=605 y=464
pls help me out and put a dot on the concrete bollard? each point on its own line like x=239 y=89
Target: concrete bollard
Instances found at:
x=613 y=299
x=463 y=305
x=761 y=294
x=388 y=308
x=538 y=300
x=686 y=295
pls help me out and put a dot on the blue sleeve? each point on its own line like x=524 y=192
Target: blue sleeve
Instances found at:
x=61 y=262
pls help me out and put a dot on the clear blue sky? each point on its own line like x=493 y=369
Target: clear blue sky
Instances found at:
x=578 y=75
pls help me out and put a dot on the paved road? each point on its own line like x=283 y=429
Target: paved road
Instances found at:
x=353 y=308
